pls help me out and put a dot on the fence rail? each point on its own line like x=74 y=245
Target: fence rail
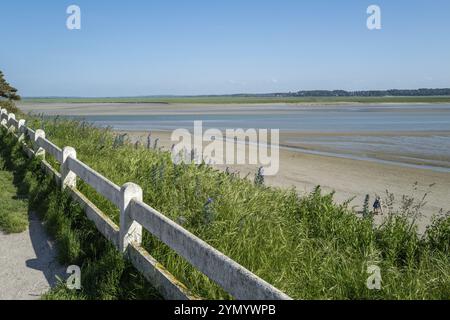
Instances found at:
x=49 y=147
x=136 y=215
x=105 y=187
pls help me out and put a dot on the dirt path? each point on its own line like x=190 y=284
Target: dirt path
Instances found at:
x=28 y=265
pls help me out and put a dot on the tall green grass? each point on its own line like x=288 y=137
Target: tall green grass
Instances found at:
x=308 y=247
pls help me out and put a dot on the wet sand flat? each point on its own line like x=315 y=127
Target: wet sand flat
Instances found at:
x=86 y=109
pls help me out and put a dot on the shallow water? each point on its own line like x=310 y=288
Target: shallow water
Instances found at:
x=413 y=134
x=314 y=119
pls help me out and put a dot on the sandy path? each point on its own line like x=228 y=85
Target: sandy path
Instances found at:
x=28 y=266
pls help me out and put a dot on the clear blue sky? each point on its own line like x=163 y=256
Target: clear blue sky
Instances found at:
x=152 y=47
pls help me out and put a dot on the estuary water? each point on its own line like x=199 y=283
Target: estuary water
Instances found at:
x=347 y=119
x=416 y=134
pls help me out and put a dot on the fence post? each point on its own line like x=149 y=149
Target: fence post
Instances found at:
x=3 y=114
x=68 y=177
x=9 y=125
x=40 y=152
x=130 y=230
x=20 y=129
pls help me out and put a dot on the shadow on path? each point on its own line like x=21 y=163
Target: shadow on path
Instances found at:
x=28 y=263
x=28 y=260
x=46 y=252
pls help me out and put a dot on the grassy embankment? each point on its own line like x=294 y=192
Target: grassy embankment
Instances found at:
x=308 y=247
x=13 y=205
x=13 y=202
x=237 y=100
x=105 y=274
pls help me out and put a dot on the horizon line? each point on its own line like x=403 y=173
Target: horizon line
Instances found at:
x=225 y=94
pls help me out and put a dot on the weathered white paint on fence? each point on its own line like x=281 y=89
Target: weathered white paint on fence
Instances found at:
x=21 y=125
x=103 y=186
x=39 y=151
x=30 y=133
x=11 y=116
x=155 y=273
x=103 y=223
x=12 y=121
x=28 y=151
x=235 y=279
x=69 y=178
x=4 y=117
x=52 y=149
x=134 y=215
x=130 y=230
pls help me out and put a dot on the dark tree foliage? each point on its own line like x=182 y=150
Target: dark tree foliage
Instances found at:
x=373 y=93
x=6 y=90
x=363 y=93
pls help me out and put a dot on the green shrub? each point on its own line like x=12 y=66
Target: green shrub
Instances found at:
x=9 y=106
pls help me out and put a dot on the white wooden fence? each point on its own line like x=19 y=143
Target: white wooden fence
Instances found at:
x=136 y=215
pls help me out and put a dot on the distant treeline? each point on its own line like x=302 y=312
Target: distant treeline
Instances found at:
x=363 y=93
